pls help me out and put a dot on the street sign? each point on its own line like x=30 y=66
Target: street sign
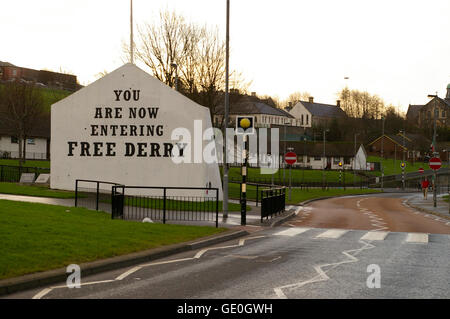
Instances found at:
x=290 y=158
x=435 y=163
x=421 y=170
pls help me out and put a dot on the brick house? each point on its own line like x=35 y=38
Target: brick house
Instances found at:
x=415 y=146
x=9 y=72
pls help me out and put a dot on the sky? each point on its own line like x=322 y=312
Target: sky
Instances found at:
x=399 y=50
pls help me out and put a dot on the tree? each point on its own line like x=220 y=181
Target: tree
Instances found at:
x=173 y=48
x=295 y=97
x=360 y=104
x=21 y=108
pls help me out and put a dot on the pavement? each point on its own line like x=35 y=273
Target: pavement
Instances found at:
x=427 y=205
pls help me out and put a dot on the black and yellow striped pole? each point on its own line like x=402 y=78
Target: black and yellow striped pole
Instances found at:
x=244 y=123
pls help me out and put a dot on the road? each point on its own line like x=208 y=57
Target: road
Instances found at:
x=332 y=249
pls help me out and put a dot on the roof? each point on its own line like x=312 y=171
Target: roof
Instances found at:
x=412 y=141
x=323 y=110
x=6 y=64
x=344 y=149
x=248 y=105
x=413 y=111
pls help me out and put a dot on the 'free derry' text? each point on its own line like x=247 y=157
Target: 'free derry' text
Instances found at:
x=227 y=308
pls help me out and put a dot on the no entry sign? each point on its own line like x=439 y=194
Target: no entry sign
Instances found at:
x=290 y=158
x=421 y=170
x=435 y=163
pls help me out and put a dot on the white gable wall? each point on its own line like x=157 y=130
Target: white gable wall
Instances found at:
x=298 y=111
x=73 y=116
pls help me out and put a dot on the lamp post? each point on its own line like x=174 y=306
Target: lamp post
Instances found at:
x=285 y=122
x=227 y=106
x=403 y=160
x=324 y=158
x=434 y=146
x=382 y=155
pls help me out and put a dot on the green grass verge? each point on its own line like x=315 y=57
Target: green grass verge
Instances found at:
x=39 y=237
x=32 y=190
x=297 y=175
x=28 y=163
x=392 y=167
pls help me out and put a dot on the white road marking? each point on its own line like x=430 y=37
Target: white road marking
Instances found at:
x=45 y=291
x=321 y=274
x=375 y=235
x=417 y=238
x=292 y=231
x=332 y=233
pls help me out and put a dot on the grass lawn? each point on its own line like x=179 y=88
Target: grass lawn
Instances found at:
x=392 y=167
x=298 y=175
x=31 y=190
x=299 y=195
x=38 y=237
x=28 y=163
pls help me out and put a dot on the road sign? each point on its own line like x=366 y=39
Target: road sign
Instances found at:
x=435 y=163
x=290 y=158
x=421 y=170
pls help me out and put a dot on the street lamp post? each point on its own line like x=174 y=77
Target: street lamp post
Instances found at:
x=382 y=155
x=434 y=147
x=324 y=158
x=227 y=106
x=175 y=66
x=403 y=160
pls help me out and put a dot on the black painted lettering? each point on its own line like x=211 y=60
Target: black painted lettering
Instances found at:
x=127 y=95
x=110 y=149
x=118 y=92
x=141 y=149
x=152 y=112
x=133 y=130
x=136 y=95
x=141 y=112
x=118 y=113
x=104 y=130
x=129 y=149
x=168 y=149
x=71 y=147
x=84 y=149
x=159 y=130
x=114 y=128
x=98 y=113
x=108 y=113
x=123 y=130
x=155 y=150
x=94 y=130
x=97 y=149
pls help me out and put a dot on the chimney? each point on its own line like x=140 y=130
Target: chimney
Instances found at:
x=290 y=104
x=338 y=103
x=253 y=93
x=311 y=99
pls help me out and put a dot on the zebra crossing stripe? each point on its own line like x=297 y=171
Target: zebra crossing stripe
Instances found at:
x=292 y=231
x=332 y=233
x=417 y=238
x=375 y=235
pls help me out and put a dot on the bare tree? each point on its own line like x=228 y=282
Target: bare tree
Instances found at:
x=21 y=108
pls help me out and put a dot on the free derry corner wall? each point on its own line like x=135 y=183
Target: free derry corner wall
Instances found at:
x=125 y=128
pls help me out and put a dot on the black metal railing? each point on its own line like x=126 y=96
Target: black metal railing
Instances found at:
x=12 y=174
x=90 y=194
x=273 y=202
x=165 y=203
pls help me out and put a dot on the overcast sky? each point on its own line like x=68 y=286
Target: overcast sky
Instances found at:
x=398 y=49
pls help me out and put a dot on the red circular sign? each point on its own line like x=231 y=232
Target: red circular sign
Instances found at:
x=290 y=158
x=421 y=170
x=435 y=163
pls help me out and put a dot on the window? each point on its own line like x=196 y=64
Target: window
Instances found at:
x=346 y=160
x=14 y=140
x=30 y=141
x=443 y=113
x=336 y=160
x=307 y=119
x=302 y=119
x=317 y=158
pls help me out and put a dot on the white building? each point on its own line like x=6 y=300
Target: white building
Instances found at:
x=310 y=114
x=37 y=145
x=310 y=155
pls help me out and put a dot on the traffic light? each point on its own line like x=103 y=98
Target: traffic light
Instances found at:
x=245 y=124
x=403 y=165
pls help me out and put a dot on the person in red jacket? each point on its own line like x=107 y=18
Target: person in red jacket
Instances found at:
x=425 y=184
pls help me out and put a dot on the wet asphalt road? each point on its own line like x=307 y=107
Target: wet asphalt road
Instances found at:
x=285 y=262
